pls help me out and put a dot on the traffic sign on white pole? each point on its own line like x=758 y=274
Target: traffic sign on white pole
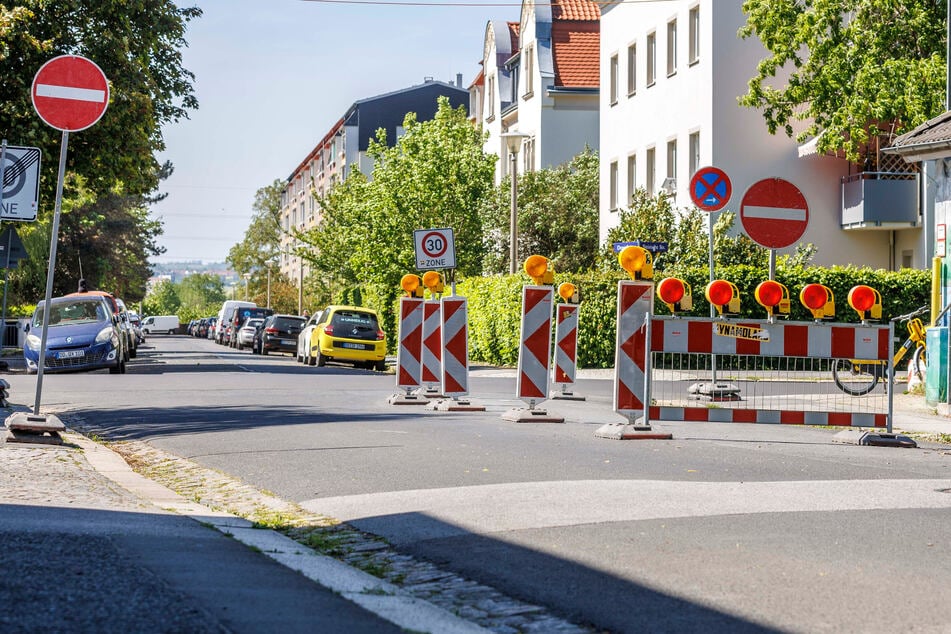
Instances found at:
x=774 y=213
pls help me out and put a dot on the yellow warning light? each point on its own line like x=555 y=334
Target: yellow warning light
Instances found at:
x=434 y=282
x=819 y=300
x=539 y=269
x=866 y=301
x=676 y=294
x=772 y=295
x=723 y=295
x=411 y=284
x=637 y=261
x=568 y=292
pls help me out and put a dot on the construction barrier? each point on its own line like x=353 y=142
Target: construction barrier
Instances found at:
x=454 y=332
x=566 y=348
x=634 y=308
x=408 y=356
x=534 y=352
x=432 y=345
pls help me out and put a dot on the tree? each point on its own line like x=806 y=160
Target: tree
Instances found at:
x=855 y=68
x=201 y=290
x=262 y=239
x=162 y=300
x=557 y=217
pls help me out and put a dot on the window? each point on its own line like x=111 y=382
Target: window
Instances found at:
x=612 y=194
x=513 y=81
x=651 y=175
x=631 y=69
x=694 y=153
x=613 y=80
x=631 y=177
x=694 y=54
x=529 y=72
x=490 y=98
x=671 y=47
x=528 y=155
x=651 y=58
x=672 y=159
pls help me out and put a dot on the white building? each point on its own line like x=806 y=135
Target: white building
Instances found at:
x=671 y=73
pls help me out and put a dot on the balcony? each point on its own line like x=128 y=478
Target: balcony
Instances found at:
x=880 y=200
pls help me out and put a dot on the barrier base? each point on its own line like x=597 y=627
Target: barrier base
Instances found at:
x=533 y=415
x=454 y=405
x=430 y=392
x=718 y=391
x=567 y=396
x=27 y=428
x=629 y=431
x=862 y=437
x=406 y=399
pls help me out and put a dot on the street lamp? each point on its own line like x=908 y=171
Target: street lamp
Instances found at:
x=513 y=141
x=247 y=277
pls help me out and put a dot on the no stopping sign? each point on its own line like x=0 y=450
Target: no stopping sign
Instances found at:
x=435 y=249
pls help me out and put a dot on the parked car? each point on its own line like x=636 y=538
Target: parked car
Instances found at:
x=136 y=322
x=128 y=330
x=225 y=313
x=210 y=332
x=303 y=340
x=349 y=333
x=247 y=331
x=160 y=323
x=83 y=334
x=278 y=333
x=241 y=314
x=129 y=345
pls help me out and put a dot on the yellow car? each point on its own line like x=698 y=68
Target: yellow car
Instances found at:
x=348 y=333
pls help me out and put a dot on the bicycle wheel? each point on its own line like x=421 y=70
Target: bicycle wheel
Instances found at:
x=855 y=379
x=919 y=363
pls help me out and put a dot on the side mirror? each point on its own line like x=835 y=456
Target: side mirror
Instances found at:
x=26 y=327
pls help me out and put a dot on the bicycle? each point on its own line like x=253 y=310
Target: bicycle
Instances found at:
x=858 y=377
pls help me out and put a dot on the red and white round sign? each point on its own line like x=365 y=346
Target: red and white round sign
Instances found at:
x=70 y=93
x=774 y=213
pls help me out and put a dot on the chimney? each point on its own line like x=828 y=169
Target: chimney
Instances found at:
x=459 y=80
x=427 y=80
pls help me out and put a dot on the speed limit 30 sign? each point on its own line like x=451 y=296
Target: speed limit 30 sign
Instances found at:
x=435 y=249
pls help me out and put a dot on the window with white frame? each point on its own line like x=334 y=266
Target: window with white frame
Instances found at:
x=612 y=191
x=672 y=160
x=694 y=26
x=671 y=47
x=651 y=171
x=490 y=97
x=529 y=72
x=631 y=69
x=631 y=177
x=528 y=155
x=612 y=80
x=694 y=153
x=651 y=58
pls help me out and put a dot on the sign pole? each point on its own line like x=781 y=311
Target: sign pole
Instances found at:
x=713 y=310
x=41 y=361
x=6 y=268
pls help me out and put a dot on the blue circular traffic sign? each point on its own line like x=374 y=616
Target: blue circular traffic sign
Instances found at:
x=710 y=189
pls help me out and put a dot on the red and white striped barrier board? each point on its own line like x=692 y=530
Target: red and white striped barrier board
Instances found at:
x=635 y=304
x=454 y=315
x=761 y=338
x=768 y=416
x=432 y=343
x=534 y=353
x=408 y=365
x=566 y=343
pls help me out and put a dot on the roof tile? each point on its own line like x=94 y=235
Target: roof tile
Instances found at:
x=576 y=54
x=575 y=10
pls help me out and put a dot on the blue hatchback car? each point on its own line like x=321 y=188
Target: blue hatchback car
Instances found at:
x=82 y=335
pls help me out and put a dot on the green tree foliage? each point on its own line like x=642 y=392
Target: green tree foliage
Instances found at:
x=261 y=245
x=853 y=66
x=163 y=299
x=557 y=217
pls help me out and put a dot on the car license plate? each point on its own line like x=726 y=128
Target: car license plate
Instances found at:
x=70 y=354
x=355 y=346
x=287 y=342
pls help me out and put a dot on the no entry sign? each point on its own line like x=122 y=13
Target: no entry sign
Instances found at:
x=774 y=213
x=70 y=93
x=710 y=189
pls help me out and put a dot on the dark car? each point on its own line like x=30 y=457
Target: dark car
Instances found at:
x=240 y=315
x=278 y=333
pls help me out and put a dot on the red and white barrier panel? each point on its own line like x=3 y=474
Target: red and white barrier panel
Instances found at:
x=408 y=365
x=454 y=315
x=566 y=344
x=635 y=304
x=432 y=344
x=761 y=338
x=776 y=417
x=534 y=352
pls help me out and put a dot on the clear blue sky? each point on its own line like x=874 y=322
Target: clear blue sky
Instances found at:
x=272 y=76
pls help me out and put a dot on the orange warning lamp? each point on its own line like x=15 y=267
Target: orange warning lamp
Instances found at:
x=568 y=292
x=866 y=301
x=676 y=294
x=637 y=261
x=411 y=284
x=434 y=282
x=539 y=269
x=772 y=295
x=723 y=295
x=819 y=300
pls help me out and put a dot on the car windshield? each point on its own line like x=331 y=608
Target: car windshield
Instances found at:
x=288 y=323
x=75 y=312
x=253 y=323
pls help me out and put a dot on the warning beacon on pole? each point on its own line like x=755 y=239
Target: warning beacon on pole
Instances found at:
x=676 y=294
x=866 y=301
x=819 y=300
x=772 y=296
x=724 y=296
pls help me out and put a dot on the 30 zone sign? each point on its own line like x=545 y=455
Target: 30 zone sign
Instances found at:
x=435 y=249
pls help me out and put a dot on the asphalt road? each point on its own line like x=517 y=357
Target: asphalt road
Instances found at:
x=725 y=528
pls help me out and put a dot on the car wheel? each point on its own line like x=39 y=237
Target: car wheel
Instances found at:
x=381 y=366
x=321 y=359
x=311 y=360
x=134 y=353
x=263 y=350
x=118 y=367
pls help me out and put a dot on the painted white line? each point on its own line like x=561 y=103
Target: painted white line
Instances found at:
x=774 y=213
x=70 y=92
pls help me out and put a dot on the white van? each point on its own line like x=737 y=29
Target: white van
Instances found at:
x=227 y=310
x=160 y=323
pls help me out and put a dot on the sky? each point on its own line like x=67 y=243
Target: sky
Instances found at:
x=272 y=77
